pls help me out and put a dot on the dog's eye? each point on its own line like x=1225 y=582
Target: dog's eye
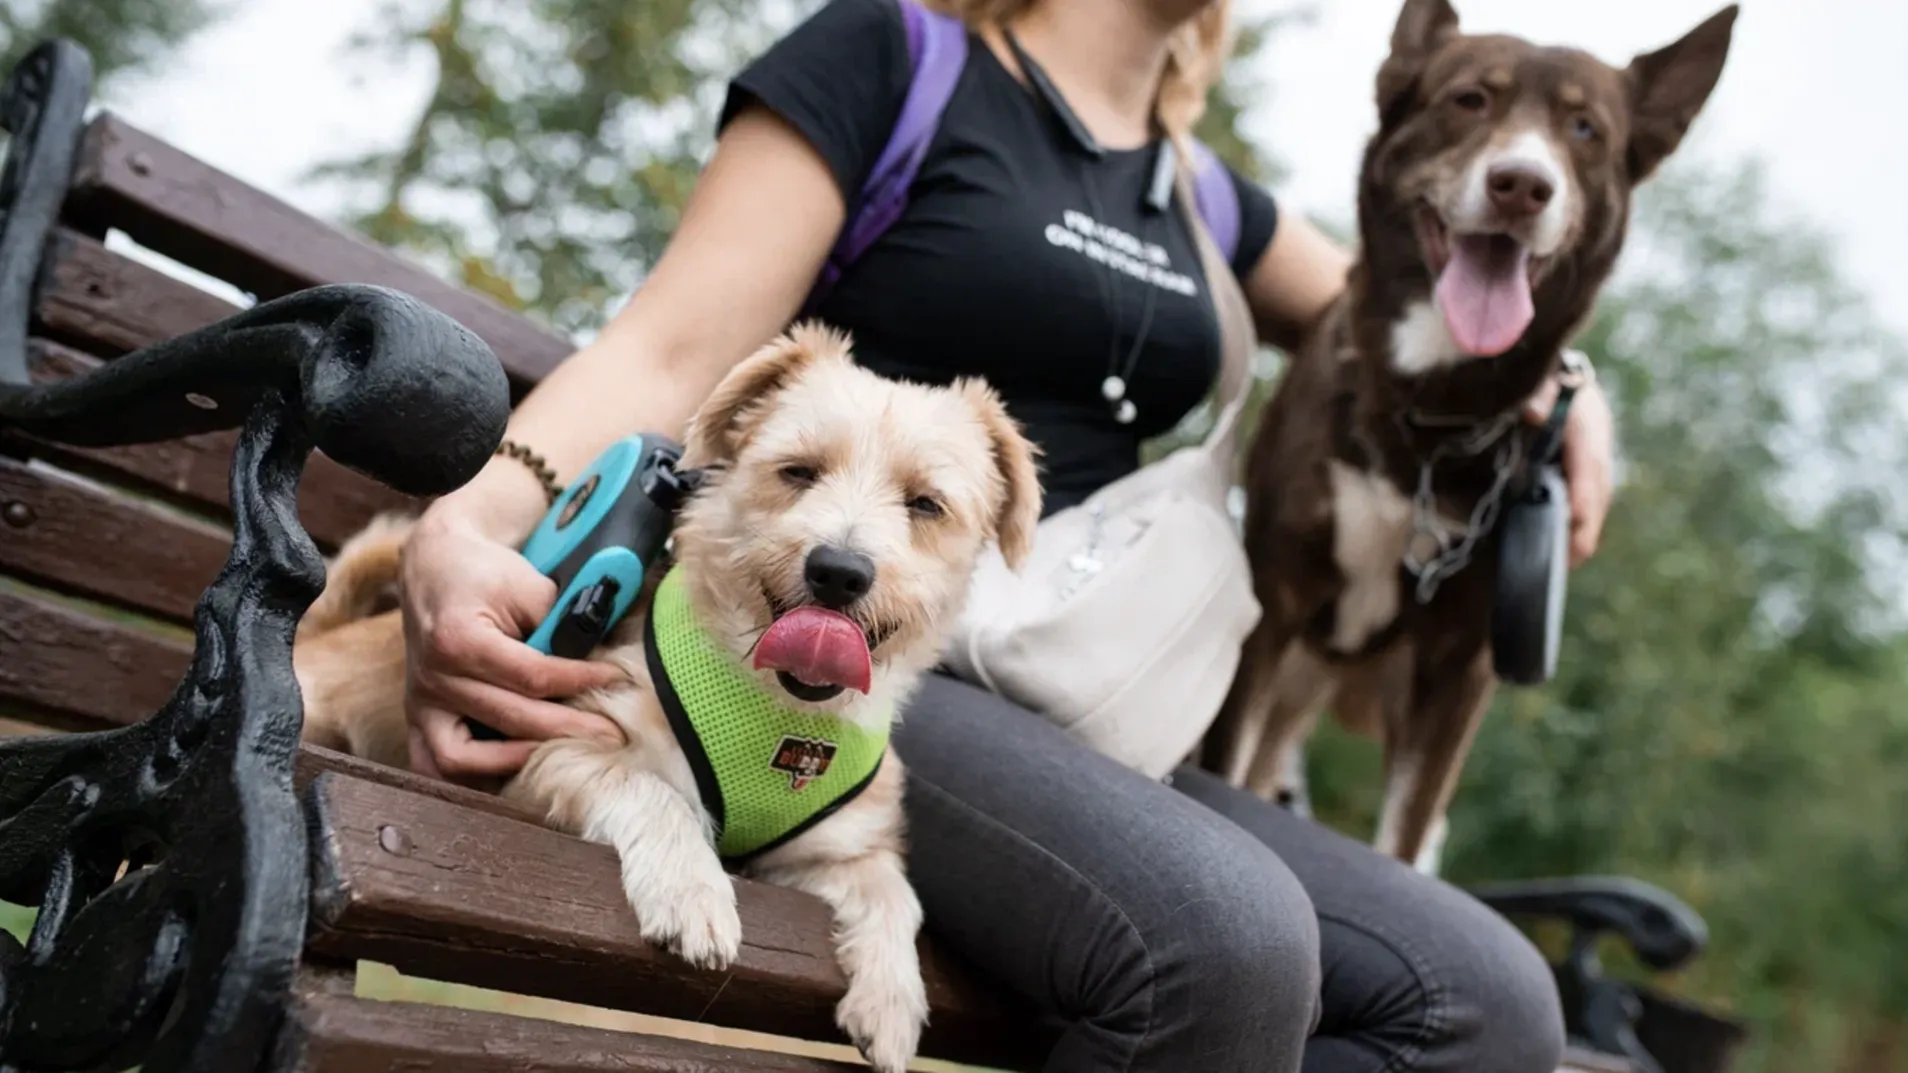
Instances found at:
x=1583 y=130
x=925 y=506
x=800 y=476
x=1472 y=100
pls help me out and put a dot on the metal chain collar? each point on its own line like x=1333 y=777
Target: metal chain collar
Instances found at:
x=1454 y=551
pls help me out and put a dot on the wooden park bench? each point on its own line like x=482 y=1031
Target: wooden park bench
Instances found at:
x=207 y=890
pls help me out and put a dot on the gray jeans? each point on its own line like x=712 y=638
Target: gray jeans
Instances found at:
x=1191 y=928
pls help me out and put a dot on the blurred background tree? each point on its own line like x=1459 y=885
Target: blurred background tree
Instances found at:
x=125 y=37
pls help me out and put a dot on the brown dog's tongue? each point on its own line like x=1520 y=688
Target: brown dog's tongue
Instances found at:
x=819 y=647
x=1484 y=293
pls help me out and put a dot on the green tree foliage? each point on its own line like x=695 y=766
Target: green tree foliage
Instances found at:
x=559 y=146
x=125 y=37
x=1727 y=722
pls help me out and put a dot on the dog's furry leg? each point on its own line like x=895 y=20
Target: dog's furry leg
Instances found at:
x=682 y=897
x=1286 y=698
x=1427 y=739
x=1277 y=773
x=855 y=863
x=348 y=652
x=361 y=580
x=1238 y=734
x=876 y=919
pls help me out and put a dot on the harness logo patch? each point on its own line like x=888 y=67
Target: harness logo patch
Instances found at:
x=803 y=760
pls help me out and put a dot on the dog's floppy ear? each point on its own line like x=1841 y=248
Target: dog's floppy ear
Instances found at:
x=720 y=428
x=1019 y=513
x=1669 y=86
x=1422 y=26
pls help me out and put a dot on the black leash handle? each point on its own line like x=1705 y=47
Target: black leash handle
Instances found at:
x=1576 y=373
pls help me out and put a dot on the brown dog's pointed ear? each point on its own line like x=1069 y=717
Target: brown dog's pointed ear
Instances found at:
x=723 y=423
x=1669 y=87
x=1019 y=514
x=1422 y=26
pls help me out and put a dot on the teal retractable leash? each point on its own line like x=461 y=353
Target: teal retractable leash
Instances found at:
x=1533 y=559
x=599 y=541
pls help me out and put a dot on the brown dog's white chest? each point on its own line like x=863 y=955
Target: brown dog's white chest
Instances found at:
x=1374 y=525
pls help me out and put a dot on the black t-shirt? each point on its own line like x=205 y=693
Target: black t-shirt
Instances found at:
x=987 y=272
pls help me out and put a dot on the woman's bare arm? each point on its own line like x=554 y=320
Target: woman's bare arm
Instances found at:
x=752 y=239
x=1297 y=278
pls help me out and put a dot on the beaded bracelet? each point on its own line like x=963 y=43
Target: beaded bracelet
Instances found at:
x=536 y=464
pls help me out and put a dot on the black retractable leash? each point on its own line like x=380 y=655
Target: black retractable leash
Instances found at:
x=1533 y=563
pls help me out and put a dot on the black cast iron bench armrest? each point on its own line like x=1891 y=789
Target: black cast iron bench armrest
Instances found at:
x=168 y=858
x=1664 y=932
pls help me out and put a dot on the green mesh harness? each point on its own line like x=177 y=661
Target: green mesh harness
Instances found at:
x=766 y=771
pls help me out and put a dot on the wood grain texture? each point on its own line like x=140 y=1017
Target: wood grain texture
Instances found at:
x=333 y=502
x=336 y=1033
x=181 y=207
x=108 y=304
x=66 y=534
x=87 y=669
x=314 y=761
x=439 y=891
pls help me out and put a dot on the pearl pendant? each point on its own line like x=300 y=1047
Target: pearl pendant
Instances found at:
x=1113 y=388
x=1126 y=413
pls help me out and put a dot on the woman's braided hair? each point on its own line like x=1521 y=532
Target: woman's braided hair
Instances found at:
x=1195 y=61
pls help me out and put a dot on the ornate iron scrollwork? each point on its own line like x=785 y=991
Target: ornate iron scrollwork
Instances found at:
x=168 y=859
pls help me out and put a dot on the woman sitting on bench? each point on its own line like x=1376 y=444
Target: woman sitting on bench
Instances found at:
x=1175 y=927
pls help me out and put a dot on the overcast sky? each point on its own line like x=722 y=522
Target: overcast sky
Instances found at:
x=1815 y=87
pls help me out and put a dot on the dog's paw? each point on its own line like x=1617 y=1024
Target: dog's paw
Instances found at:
x=696 y=919
x=884 y=1020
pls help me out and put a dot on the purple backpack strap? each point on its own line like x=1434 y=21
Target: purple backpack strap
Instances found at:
x=1218 y=199
x=937 y=50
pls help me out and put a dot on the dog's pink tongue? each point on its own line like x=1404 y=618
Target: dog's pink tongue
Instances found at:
x=1484 y=293
x=819 y=647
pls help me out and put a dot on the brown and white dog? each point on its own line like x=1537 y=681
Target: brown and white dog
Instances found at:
x=1492 y=201
x=812 y=459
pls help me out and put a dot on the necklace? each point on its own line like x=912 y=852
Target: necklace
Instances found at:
x=1113 y=389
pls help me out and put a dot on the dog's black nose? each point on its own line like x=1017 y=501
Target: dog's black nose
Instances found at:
x=1519 y=190
x=838 y=577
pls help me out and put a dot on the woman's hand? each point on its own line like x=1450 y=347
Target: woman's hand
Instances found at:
x=1589 y=459
x=468 y=603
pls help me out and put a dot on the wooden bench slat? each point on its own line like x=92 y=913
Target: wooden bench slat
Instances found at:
x=498 y=903
x=87 y=669
x=82 y=539
x=186 y=209
x=315 y=760
x=331 y=1033
x=109 y=304
x=14 y=728
x=333 y=502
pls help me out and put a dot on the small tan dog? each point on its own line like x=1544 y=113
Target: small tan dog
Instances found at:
x=829 y=548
